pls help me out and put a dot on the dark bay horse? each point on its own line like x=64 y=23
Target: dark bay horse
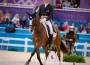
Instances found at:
x=40 y=39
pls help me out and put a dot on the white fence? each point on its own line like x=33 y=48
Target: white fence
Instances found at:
x=17 y=45
x=85 y=50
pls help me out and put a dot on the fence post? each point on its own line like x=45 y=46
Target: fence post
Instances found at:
x=26 y=44
x=85 y=49
x=5 y=39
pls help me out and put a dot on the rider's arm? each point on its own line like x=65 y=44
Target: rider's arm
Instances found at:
x=63 y=38
x=51 y=13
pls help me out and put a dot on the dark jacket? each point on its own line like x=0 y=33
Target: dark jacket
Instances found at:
x=23 y=23
x=46 y=11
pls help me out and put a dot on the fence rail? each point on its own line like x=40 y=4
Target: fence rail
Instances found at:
x=84 y=50
x=17 y=45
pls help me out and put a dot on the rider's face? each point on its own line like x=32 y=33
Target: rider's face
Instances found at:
x=46 y=1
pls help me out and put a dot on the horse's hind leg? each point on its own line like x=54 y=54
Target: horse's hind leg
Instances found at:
x=27 y=63
x=58 y=49
x=38 y=57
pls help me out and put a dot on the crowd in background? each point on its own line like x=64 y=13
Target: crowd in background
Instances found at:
x=16 y=20
x=66 y=3
x=5 y=1
x=62 y=3
x=82 y=29
x=20 y=22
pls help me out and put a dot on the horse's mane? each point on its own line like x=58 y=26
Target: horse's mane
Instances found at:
x=37 y=20
x=37 y=23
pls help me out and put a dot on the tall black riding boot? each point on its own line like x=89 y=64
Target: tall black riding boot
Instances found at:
x=50 y=41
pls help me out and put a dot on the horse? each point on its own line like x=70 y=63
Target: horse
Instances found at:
x=40 y=39
x=71 y=34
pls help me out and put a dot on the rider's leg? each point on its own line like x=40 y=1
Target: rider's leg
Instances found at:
x=51 y=33
x=45 y=27
x=50 y=26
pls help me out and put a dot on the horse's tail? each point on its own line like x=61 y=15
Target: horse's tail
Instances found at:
x=64 y=48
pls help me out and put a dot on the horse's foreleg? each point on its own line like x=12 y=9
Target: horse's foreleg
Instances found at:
x=58 y=50
x=46 y=51
x=38 y=56
x=32 y=54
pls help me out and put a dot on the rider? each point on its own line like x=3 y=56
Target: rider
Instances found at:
x=46 y=14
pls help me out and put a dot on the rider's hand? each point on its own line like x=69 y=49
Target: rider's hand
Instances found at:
x=43 y=20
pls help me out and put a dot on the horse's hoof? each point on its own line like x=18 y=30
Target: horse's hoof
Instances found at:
x=41 y=64
x=26 y=63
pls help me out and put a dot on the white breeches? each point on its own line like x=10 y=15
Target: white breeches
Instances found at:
x=44 y=22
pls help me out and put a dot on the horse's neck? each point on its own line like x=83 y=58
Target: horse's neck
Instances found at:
x=38 y=25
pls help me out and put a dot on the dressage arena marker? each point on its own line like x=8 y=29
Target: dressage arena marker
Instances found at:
x=52 y=59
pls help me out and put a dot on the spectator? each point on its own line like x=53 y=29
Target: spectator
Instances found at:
x=1 y=13
x=88 y=28
x=75 y=3
x=5 y=1
x=58 y=4
x=81 y=28
x=84 y=31
x=66 y=3
x=60 y=27
x=2 y=19
x=65 y=26
x=23 y=22
x=7 y=17
x=73 y=24
x=54 y=1
x=16 y=20
x=78 y=3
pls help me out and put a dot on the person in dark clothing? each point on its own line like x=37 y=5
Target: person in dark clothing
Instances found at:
x=46 y=16
x=75 y=3
x=23 y=22
x=46 y=9
x=58 y=4
x=60 y=27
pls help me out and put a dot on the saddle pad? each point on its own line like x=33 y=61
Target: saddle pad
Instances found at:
x=48 y=31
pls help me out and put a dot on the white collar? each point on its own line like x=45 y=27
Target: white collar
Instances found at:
x=46 y=4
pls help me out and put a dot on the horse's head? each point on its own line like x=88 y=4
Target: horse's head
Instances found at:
x=34 y=20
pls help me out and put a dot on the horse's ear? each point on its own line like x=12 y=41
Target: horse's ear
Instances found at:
x=28 y=13
x=31 y=16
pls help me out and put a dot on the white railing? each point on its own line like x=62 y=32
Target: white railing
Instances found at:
x=17 y=45
x=32 y=46
x=85 y=50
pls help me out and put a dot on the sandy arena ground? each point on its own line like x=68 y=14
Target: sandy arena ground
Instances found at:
x=19 y=58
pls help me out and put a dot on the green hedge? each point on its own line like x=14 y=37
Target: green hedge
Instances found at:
x=73 y=58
